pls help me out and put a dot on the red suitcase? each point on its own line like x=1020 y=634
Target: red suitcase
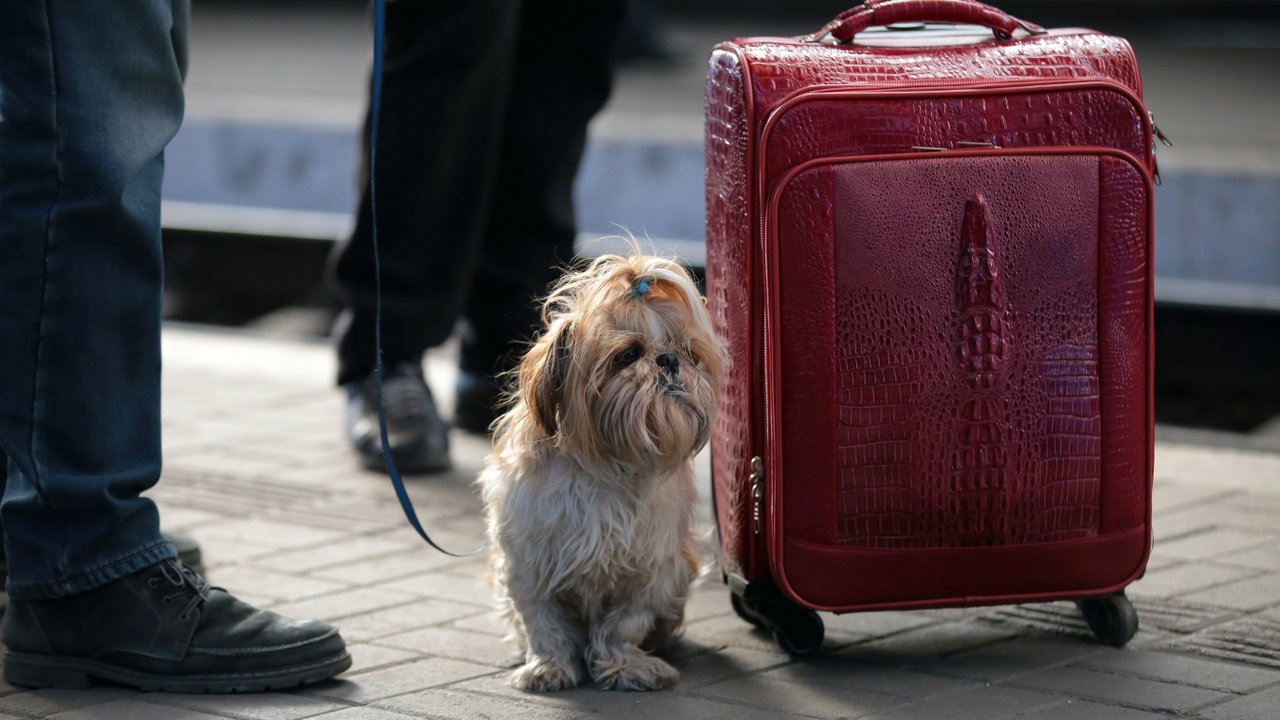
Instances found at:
x=929 y=252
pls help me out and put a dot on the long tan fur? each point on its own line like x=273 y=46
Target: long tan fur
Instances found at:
x=589 y=489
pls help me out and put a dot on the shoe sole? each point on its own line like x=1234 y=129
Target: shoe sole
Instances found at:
x=407 y=466
x=51 y=671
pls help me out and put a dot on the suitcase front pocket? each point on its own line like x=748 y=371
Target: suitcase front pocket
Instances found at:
x=957 y=366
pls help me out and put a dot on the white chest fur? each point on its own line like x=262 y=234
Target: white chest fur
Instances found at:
x=563 y=531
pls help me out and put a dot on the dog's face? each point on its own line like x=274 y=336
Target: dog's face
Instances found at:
x=628 y=369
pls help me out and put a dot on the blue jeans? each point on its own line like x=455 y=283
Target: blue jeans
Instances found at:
x=90 y=94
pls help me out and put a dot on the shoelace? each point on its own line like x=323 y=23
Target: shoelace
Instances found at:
x=187 y=581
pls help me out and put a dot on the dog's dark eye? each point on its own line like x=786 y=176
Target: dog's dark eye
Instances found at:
x=628 y=356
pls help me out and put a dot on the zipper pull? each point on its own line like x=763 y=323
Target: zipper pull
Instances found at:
x=757 y=491
x=1155 y=130
x=1156 y=134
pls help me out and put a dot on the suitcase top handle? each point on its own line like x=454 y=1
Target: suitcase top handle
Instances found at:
x=887 y=12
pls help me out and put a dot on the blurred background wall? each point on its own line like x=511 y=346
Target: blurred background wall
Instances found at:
x=260 y=179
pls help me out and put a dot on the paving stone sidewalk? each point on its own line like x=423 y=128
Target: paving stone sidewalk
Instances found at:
x=256 y=469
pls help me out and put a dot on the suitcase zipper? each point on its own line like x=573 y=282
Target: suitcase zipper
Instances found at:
x=1155 y=130
x=944 y=86
x=757 y=491
x=951 y=87
x=948 y=87
x=1156 y=134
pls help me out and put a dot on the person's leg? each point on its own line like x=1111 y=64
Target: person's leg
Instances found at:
x=446 y=73
x=89 y=97
x=186 y=546
x=80 y=281
x=4 y=563
x=562 y=78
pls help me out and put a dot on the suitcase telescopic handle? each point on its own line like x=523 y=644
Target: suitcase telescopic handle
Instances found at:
x=887 y=12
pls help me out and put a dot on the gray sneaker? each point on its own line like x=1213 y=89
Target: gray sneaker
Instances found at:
x=418 y=438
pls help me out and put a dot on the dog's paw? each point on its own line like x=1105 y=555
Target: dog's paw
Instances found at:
x=635 y=672
x=545 y=675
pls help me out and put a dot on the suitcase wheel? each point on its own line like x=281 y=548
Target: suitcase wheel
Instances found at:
x=740 y=607
x=796 y=629
x=1112 y=619
x=799 y=632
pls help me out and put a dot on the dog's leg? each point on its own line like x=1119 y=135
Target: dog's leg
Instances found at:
x=614 y=655
x=554 y=644
x=666 y=628
x=517 y=636
x=669 y=620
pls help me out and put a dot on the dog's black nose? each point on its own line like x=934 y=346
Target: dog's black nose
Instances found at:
x=668 y=362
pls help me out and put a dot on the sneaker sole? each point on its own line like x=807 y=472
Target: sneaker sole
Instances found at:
x=406 y=465
x=51 y=671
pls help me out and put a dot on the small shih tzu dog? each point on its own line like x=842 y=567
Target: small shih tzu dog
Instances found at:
x=589 y=494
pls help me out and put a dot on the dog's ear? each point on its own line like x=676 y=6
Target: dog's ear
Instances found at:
x=543 y=373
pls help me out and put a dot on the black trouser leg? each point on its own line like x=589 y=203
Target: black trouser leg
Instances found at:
x=447 y=72
x=562 y=77
x=485 y=109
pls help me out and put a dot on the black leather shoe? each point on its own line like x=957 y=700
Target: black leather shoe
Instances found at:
x=478 y=402
x=419 y=439
x=188 y=554
x=164 y=629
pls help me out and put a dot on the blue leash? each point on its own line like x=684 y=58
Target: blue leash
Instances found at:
x=375 y=103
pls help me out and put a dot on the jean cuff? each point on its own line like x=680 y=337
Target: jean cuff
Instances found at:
x=127 y=564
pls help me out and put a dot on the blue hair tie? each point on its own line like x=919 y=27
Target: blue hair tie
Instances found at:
x=640 y=289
